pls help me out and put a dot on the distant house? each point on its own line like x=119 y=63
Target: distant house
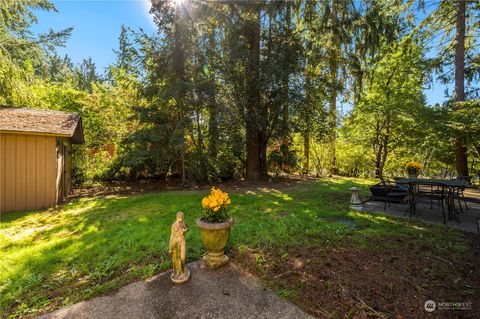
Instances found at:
x=35 y=163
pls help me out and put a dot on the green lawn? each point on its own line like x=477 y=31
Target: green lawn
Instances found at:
x=94 y=245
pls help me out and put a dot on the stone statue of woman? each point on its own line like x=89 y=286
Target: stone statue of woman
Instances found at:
x=177 y=250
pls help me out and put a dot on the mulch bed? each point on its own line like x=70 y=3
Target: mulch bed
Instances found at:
x=374 y=282
x=153 y=185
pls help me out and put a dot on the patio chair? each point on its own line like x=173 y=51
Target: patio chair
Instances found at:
x=429 y=195
x=392 y=193
x=433 y=194
x=459 y=194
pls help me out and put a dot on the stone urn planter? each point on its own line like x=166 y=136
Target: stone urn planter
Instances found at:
x=413 y=176
x=215 y=237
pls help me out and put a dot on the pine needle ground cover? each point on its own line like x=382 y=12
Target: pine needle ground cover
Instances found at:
x=303 y=241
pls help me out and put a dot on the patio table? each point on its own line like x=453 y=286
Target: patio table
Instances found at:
x=448 y=189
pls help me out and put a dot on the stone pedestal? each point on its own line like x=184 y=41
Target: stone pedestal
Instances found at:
x=180 y=278
x=214 y=238
x=215 y=259
x=355 y=203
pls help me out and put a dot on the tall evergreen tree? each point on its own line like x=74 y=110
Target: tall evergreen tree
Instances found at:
x=461 y=159
x=454 y=26
x=86 y=74
x=22 y=53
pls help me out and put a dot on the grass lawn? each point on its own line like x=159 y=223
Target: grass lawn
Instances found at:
x=303 y=241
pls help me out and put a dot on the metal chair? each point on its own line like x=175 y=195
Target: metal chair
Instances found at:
x=392 y=193
x=428 y=195
x=459 y=194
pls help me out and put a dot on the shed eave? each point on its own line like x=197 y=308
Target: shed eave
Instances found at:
x=34 y=133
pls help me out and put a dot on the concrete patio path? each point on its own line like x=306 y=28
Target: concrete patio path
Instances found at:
x=469 y=220
x=223 y=293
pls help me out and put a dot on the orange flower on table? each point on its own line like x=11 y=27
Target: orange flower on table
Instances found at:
x=414 y=167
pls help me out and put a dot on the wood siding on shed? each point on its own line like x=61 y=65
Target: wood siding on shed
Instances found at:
x=28 y=170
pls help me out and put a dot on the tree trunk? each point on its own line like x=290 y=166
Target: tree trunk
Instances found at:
x=203 y=174
x=377 y=147
x=212 y=109
x=182 y=159
x=286 y=139
x=333 y=133
x=179 y=66
x=378 y=160
x=306 y=152
x=262 y=152
x=212 y=129
x=461 y=160
x=253 y=169
x=385 y=141
x=333 y=95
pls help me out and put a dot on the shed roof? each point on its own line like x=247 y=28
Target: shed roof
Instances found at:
x=48 y=122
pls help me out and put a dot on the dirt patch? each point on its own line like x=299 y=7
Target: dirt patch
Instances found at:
x=341 y=197
x=151 y=186
x=374 y=282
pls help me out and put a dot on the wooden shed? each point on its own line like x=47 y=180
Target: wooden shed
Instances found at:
x=35 y=164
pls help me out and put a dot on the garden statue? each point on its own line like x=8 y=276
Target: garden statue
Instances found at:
x=177 y=248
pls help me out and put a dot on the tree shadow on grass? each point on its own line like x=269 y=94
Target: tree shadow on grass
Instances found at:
x=111 y=241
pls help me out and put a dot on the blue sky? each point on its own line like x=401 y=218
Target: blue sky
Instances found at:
x=97 y=26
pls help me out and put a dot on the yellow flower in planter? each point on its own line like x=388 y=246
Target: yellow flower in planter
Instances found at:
x=215 y=227
x=205 y=202
x=414 y=167
x=215 y=205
